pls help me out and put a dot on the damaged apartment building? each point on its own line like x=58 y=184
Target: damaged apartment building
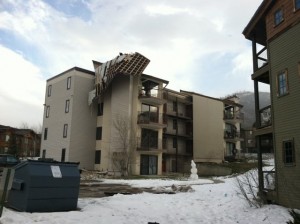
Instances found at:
x=98 y=117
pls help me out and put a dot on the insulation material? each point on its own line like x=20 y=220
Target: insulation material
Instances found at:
x=92 y=95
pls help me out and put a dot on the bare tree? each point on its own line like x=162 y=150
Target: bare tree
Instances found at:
x=24 y=125
x=37 y=128
x=247 y=185
x=126 y=141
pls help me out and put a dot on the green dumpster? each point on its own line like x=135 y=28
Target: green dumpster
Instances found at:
x=43 y=186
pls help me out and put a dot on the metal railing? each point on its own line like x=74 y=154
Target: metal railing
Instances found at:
x=151 y=118
x=149 y=144
x=265 y=116
x=232 y=134
x=232 y=116
x=151 y=94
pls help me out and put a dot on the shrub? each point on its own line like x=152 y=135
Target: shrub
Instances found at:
x=296 y=217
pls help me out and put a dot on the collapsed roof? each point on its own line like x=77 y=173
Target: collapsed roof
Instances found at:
x=124 y=64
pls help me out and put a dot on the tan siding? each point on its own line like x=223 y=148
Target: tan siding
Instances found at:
x=285 y=54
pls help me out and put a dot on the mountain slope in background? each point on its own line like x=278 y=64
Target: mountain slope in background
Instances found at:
x=247 y=100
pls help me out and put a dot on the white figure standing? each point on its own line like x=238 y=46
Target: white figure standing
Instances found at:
x=194 y=171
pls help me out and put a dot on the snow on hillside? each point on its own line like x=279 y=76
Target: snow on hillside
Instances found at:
x=209 y=203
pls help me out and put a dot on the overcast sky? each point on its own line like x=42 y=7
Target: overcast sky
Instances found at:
x=196 y=45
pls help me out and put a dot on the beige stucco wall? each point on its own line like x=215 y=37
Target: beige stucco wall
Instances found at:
x=208 y=127
x=83 y=123
x=116 y=105
x=79 y=143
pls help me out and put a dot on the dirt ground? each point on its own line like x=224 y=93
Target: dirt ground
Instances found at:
x=91 y=186
x=98 y=189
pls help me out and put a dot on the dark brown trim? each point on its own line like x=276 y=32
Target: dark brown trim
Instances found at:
x=255 y=20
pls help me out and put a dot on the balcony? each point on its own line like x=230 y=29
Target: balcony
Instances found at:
x=186 y=115
x=153 y=97
x=233 y=136
x=149 y=144
x=180 y=133
x=152 y=120
x=233 y=117
x=261 y=66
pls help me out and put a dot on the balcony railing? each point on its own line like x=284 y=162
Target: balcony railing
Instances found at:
x=232 y=135
x=265 y=116
x=149 y=144
x=181 y=114
x=152 y=97
x=180 y=132
x=233 y=116
x=151 y=118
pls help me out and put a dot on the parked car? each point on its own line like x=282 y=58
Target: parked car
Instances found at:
x=7 y=160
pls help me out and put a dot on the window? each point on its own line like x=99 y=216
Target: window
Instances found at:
x=45 y=133
x=282 y=87
x=174 y=124
x=98 y=157
x=63 y=155
x=69 y=83
x=174 y=143
x=149 y=139
x=44 y=154
x=65 y=133
x=67 y=106
x=297 y=4
x=174 y=106
x=49 y=90
x=47 y=111
x=278 y=17
x=100 y=109
x=99 y=133
x=288 y=152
